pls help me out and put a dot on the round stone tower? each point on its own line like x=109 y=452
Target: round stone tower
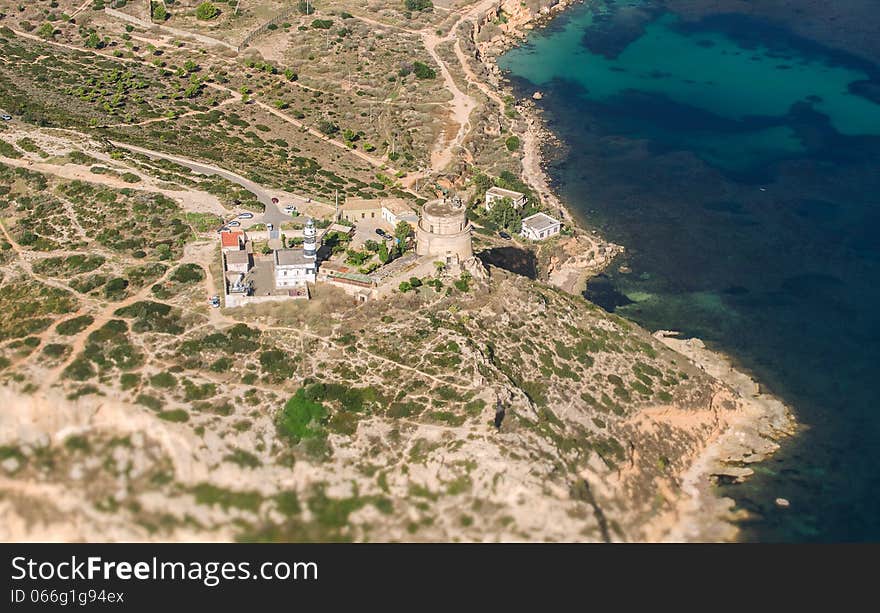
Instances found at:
x=310 y=241
x=444 y=231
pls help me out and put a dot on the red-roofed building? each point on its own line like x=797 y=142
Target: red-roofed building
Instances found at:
x=231 y=241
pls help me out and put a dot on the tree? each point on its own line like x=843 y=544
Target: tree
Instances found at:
x=402 y=231
x=505 y=215
x=47 y=30
x=512 y=143
x=327 y=127
x=206 y=10
x=384 y=256
x=159 y=12
x=193 y=90
x=94 y=41
x=418 y=5
x=356 y=258
x=423 y=71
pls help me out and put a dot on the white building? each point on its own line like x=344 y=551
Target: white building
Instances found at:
x=540 y=226
x=495 y=194
x=395 y=210
x=293 y=267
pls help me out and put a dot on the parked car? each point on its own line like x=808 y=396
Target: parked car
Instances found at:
x=222 y=229
x=270 y=227
x=504 y=235
x=6 y=117
x=381 y=233
x=245 y=215
x=274 y=200
x=233 y=224
x=215 y=301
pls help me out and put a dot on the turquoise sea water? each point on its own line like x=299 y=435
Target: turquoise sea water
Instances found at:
x=740 y=165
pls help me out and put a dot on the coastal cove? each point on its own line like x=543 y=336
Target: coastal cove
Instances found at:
x=737 y=163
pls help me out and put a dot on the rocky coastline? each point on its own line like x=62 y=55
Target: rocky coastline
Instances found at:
x=748 y=435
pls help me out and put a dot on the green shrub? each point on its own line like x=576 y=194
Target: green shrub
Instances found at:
x=301 y=418
x=163 y=380
x=423 y=71
x=175 y=415
x=243 y=458
x=418 y=5
x=209 y=494
x=188 y=273
x=206 y=10
x=55 y=350
x=69 y=327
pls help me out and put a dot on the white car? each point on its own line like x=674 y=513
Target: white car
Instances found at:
x=6 y=117
x=234 y=224
x=245 y=215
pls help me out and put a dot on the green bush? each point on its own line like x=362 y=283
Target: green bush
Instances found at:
x=301 y=418
x=73 y=326
x=512 y=143
x=175 y=415
x=163 y=380
x=159 y=11
x=423 y=71
x=208 y=494
x=47 y=30
x=418 y=5
x=206 y=10
x=188 y=273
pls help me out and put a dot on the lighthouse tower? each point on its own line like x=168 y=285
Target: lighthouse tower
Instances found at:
x=310 y=240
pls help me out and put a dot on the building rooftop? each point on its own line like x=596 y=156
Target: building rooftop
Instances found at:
x=443 y=207
x=398 y=206
x=338 y=227
x=505 y=193
x=540 y=221
x=292 y=257
x=237 y=257
x=231 y=239
x=357 y=204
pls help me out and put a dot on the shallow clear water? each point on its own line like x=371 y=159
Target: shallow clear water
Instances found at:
x=740 y=166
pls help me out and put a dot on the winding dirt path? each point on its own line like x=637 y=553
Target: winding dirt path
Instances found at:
x=102 y=318
x=462 y=103
x=372 y=160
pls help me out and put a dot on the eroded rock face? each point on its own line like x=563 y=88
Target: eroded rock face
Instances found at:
x=601 y=424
